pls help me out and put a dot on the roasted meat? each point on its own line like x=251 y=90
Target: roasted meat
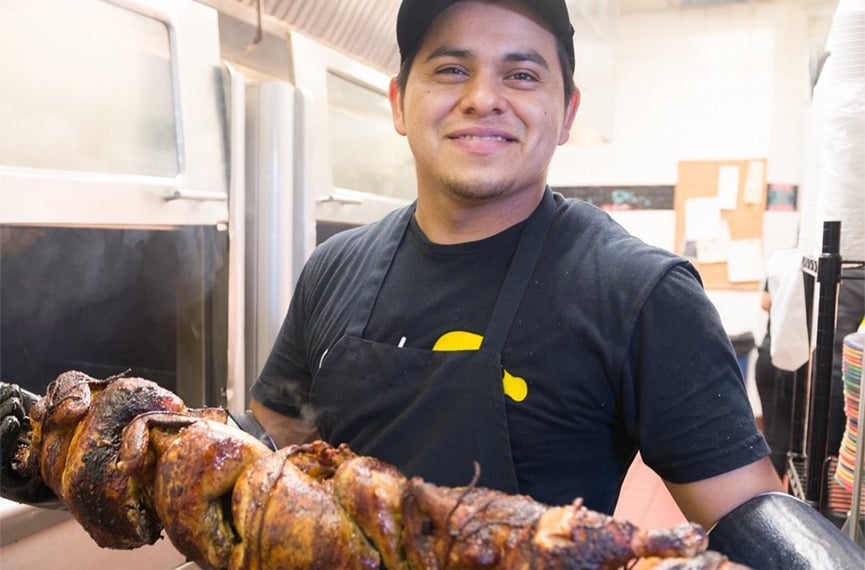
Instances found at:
x=295 y=519
x=189 y=467
x=129 y=460
x=77 y=429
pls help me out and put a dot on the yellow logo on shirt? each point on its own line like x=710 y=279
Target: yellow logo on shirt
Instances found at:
x=515 y=387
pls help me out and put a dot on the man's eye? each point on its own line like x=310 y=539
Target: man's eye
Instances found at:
x=523 y=76
x=449 y=70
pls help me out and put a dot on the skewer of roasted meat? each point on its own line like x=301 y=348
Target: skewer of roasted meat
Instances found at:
x=130 y=460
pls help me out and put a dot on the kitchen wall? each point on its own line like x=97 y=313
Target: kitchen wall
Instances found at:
x=708 y=83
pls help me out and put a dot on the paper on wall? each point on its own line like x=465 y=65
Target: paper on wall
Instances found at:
x=703 y=219
x=717 y=249
x=728 y=187
x=754 y=183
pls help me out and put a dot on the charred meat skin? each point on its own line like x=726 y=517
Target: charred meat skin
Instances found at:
x=479 y=528
x=55 y=420
x=370 y=491
x=573 y=537
x=287 y=516
x=128 y=458
x=196 y=464
x=104 y=500
x=77 y=433
x=469 y=527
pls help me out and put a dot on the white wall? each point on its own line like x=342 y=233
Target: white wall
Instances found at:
x=714 y=83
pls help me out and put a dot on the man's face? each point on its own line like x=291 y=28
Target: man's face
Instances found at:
x=483 y=107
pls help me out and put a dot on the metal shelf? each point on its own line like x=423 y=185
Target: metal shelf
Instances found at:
x=809 y=456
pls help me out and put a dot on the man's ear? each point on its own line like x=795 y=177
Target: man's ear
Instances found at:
x=395 y=96
x=570 y=113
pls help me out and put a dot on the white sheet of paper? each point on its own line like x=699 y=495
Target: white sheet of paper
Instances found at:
x=745 y=262
x=753 y=193
x=703 y=219
x=728 y=187
x=717 y=249
x=713 y=251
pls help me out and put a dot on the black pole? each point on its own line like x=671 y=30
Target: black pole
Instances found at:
x=820 y=375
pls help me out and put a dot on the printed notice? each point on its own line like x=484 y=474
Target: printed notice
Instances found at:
x=754 y=183
x=728 y=187
x=703 y=219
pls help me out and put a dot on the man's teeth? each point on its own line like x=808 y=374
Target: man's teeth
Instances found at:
x=483 y=138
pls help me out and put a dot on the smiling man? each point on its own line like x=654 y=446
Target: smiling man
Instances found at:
x=483 y=113
x=496 y=323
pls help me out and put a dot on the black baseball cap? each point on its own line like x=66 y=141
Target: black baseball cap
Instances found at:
x=415 y=16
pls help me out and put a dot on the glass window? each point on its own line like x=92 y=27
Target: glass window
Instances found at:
x=368 y=155
x=87 y=86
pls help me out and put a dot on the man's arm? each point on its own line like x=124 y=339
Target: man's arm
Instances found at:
x=706 y=501
x=282 y=429
x=753 y=524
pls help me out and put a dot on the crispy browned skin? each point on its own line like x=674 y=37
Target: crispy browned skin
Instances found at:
x=196 y=464
x=79 y=427
x=481 y=528
x=55 y=418
x=287 y=516
x=297 y=523
x=463 y=527
x=708 y=560
x=370 y=492
x=127 y=458
x=575 y=537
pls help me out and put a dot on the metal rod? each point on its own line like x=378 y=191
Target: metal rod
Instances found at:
x=823 y=336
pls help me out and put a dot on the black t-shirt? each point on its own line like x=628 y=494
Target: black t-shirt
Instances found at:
x=615 y=341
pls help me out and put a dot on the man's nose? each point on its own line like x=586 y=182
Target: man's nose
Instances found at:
x=483 y=95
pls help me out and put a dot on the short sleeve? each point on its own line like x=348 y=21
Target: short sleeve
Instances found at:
x=691 y=414
x=283 y=385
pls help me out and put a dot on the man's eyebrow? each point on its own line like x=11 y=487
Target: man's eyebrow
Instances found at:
x=529 y=55
x=446 y=51
x=514 y=56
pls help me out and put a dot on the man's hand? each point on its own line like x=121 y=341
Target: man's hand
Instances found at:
x=15 y=432
x=14 y=425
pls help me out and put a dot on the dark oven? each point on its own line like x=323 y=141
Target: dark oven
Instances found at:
x=106 y=301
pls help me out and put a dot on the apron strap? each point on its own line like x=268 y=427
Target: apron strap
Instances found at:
x=520 y=271
x=368 y=293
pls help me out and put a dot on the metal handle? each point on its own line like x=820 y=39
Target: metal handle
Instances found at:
x=178 y=194
x=339 y=200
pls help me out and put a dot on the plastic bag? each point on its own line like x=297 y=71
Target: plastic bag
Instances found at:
x=788 y=321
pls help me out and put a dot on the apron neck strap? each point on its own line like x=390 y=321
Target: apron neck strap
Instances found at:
x=519 y=272
x=367 y=295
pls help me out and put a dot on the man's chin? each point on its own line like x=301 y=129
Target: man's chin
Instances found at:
x=477 y=190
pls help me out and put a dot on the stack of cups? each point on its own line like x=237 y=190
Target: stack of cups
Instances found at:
x=836 y=159
x=851 y=367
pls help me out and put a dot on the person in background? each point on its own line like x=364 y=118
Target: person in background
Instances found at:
x=775 y=387
x=496 y=333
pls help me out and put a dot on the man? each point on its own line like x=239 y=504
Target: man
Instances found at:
x=494 y=323
x=614 y=344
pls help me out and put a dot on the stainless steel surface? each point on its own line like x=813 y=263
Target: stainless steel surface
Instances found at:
x=79 y=155
x=178 y=194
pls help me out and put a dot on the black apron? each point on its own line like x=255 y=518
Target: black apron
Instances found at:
x=432 y=414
